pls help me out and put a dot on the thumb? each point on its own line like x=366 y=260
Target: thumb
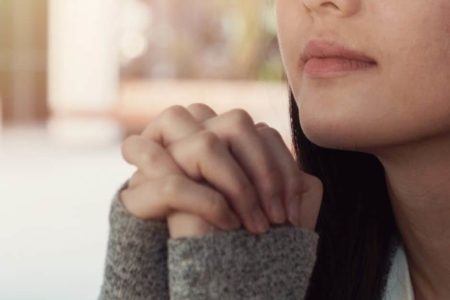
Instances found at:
x=187 y=225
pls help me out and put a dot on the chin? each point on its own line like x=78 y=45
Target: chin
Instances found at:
x=326 y=134
x=367 y=137
x=345 y=134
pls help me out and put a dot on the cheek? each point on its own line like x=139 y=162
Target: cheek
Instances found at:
x=445 y=9
x=292 y=30
x=419 y=72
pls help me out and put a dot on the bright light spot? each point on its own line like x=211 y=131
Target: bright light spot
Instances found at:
x=136 y=20
x=132 y=45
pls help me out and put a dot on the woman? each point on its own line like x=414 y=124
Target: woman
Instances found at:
x=366 y=203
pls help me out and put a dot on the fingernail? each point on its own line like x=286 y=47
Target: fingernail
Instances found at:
x=260 y=221
x=294 y=212
x=277 y=210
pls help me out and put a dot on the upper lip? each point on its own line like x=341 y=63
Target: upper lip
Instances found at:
x=328 y=49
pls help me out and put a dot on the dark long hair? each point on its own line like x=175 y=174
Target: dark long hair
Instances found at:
x=356 y=225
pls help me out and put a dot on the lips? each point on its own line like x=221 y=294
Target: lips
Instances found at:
x=329 y=59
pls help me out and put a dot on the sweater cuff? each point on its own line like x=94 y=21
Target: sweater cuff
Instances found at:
x=136 y=259
x=240 y=265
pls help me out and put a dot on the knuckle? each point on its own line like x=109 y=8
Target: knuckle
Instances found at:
x=127 y=145
x=310 y=182
x=241 y=118
x=272 y=132
x=173 y=112
x=199 y=106
x=316 y=182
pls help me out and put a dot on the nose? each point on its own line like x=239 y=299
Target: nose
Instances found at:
x=343 y=8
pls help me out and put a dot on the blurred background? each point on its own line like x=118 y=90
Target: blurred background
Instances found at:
x=76 y=78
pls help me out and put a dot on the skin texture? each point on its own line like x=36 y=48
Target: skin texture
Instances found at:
x=398 y=110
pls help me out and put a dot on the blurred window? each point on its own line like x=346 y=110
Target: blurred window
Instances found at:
x=220 y=52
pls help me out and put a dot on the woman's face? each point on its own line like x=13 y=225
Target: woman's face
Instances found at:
x=401 y=96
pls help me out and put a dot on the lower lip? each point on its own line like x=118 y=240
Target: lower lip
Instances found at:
x=333 y=66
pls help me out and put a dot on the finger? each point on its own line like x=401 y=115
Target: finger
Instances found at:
x=237 y=128
x=291 y=174
x=136 y=179
x=303 y=192
x=219 y=168
x=261 y=124
x=151 y=159
x=182 y=121
x=277 y=207
x=201 y=112
x=172 y=124
x=310 y=203
x=156 y=199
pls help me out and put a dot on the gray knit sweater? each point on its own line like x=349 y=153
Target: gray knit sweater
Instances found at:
x=143 y=262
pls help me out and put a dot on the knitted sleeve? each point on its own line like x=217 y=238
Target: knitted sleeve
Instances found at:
x=136 y=258
x=240 y=265
x=143 y=262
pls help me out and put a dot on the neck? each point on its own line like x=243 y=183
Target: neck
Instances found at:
x=417 y=178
